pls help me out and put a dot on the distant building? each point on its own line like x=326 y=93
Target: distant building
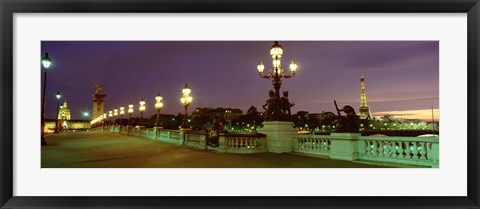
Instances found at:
x=69 y=124
x=227 y=114
x=65 y=121
x=302 y=115
x=64 y=112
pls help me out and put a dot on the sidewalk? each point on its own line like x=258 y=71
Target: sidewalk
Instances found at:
x=112 y=150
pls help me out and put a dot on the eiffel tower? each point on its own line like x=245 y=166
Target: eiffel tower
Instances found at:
x=364 y=110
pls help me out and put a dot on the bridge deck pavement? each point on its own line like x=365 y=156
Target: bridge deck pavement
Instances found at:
x=113 y=150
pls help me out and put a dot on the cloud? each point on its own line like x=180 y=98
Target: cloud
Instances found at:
x=422 y=114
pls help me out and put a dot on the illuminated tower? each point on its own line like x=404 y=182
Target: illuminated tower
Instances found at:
x=98 y=101
x=364 y=110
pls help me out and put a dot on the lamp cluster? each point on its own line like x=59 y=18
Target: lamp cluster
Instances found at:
x=276 y=51
x=185 y=100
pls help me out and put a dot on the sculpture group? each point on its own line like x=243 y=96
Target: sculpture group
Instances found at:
x=277 y=108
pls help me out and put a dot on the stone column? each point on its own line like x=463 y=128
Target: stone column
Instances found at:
x=344 y=146
x=279 y=136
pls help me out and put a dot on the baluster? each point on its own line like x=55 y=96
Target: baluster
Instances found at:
x=386 y=149
x=403 y=154
x=368 y=149
x=423 y=151
x=380 y=148
x=374 y=148
x=321 y=145
x=408 y=151
x=398 y=148
x=415 y=150
x=237 y=142
x=391 y=149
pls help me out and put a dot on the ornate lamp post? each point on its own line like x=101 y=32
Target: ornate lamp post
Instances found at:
x=46 y=62
x=115 y=114
x=186 y=100
x=158 y=106
x=141 y=109
x=122 y=112
x=276 y=51
x=58 y=95
x=104 y=120
x=110 y=115
x=130 y=111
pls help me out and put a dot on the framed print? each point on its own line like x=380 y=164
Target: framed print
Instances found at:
x=264 y=104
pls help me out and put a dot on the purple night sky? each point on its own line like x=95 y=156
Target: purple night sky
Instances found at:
x=399 y=75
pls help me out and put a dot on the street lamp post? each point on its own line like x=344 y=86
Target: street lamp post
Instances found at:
x=58 y=95
x=186 y=100
x=104 y=121
x=276 y=51
x=115 y=114
x=141 y=109
x=110 y=115
x=46 y=62
x=130 y=111
x=158 y=106
x=122 y=112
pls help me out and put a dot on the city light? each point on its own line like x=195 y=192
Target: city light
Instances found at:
x=141 y=108
x=46 y=61
x=158 y=106
x=186 y=100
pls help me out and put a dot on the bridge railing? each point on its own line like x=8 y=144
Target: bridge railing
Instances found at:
x=241 y=143
x=420 y=151
x=312 y=144
x=231 y=143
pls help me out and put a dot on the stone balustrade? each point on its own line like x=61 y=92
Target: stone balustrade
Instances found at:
x=418 y=151
x=242 y=143
x=312 y=144
x=421 y=151
x=231 y=143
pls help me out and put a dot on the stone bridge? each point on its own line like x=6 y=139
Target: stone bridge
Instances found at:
x=378 y=150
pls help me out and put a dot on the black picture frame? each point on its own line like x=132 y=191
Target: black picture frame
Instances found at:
x=10 y=7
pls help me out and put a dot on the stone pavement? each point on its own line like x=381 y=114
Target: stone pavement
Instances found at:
x=112 y=150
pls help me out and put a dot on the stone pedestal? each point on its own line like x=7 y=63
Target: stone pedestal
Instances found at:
x=279 y=136
x=344 y=146
x=182 y=133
